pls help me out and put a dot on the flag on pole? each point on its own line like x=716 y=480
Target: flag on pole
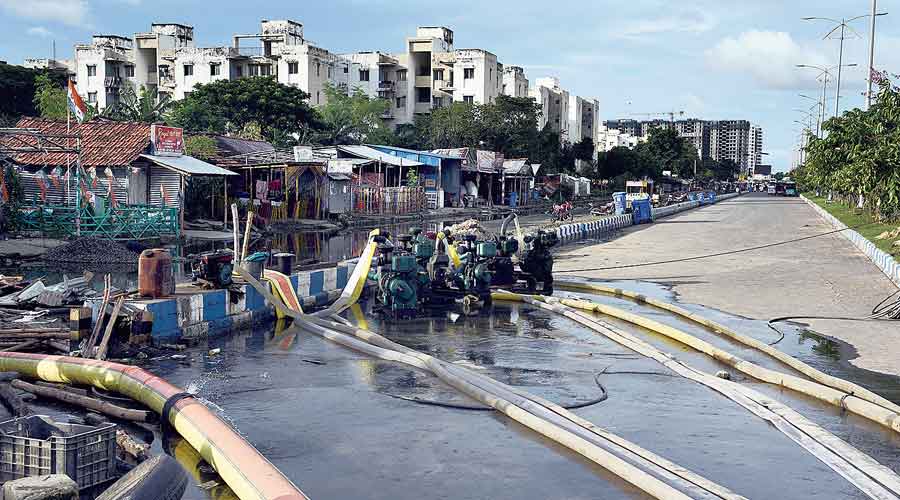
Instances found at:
x=164 y=194
x=54 y=176
x=76 y=105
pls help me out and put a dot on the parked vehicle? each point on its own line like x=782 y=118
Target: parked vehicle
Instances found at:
x=770 y=189
x=790 y=189
x=638 y=190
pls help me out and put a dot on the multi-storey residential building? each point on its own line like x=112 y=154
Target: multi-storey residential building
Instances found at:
x=583 y=118
x=478 y=77
x=756 y=150
x=730 y=140
x=515 y=84
x=66 y=66
x=379 y=75
x=554 y=101
x=609 y=138
x=718 y=140
x=428 y=59
x=167 y=59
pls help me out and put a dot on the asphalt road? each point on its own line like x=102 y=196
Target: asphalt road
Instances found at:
x=825 y=276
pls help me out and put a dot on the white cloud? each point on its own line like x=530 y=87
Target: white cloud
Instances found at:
x=687 y=21
x=71 y=12
x=39 y=31
x=768 y=57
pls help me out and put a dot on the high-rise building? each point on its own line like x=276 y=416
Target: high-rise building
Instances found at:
x=554 y=102
x=515 y=84
x=756 y=149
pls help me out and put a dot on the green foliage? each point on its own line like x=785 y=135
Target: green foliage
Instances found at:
x=200 y=146
x=17 y=90
x=779 y=176
x=353 y=119
x=860 y=156
x=228 y=106
x=142 y=105
x=665 y=150
x=50 y=98
x=412 y=178
x=200 y=194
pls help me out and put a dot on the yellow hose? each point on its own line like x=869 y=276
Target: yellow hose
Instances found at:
x=249 y=475
x=872 y=478
x=823 y=378
x=850 y=402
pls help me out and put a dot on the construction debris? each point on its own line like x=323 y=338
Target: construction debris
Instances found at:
x=86 y=402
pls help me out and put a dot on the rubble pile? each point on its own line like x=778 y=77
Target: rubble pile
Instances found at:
x=469 y=226
x=92 y=250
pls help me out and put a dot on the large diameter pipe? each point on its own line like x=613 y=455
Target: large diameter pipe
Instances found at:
x=820 y=377
x=240 y=465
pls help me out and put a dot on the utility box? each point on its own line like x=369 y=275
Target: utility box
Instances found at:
x=38 y=446
x=641 y=211
x=619 y=201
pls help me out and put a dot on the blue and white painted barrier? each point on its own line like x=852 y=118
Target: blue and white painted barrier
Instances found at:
x=193 y=314
x=569 y=233
x=880 y=258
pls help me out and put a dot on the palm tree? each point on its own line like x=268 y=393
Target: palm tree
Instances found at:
x=144 y=106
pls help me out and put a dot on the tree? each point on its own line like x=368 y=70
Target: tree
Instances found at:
x=200 y=146
x=17 y=91
x=229 y=105
x=354 y=118
x=50 y=98
x=509 y=125
x=779 y=176
x=665 y=150
x=143 y=105
x=616 y=162
x=455 y=126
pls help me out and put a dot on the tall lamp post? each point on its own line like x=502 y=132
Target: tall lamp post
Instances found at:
x=843 y=26
x=813 y=117
x=871 y=52
x=825 y=73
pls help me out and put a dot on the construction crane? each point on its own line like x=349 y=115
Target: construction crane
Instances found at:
x=670 y=114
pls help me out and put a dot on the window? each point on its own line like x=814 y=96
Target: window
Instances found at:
x=215 y=69
x=265 y=69
x=318 y=97
x=401 y=102
x=151 y=68
x=188 y=70
x=401 y=75
x=293 y=68
x=490 y=73
x=318 y=68
x=129 y=71
x=469 y=99
x=253 y=70
x=92 y=70
x=364 y=75
x=468 y=73
x=346 y=69
x=437 y=102
x=438 y=74
x=423 y=95
x=92 y=97
x=239 y=71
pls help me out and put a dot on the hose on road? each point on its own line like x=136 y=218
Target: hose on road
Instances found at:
x=544 y=417
x=886 y=310
x=718 y=328
x=872 y=478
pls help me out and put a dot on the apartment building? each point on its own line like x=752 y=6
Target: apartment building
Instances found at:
x=730 y=140
x=167 y=58
x=609 y=138
x=719 y=140
x=554 y=102
x=756 y=150
x=515 y=83
x=379 y=75
x=583 y=118
x=478 y=77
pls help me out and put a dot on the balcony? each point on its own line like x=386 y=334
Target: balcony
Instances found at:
x=444 y=85
x=250 y=51
x=112 y=82
x=423 y=81
x=385 y=86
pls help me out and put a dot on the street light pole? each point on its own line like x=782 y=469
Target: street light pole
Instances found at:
x=871 y=55
x=837 y=95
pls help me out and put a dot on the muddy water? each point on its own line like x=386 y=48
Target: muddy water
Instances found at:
x=341 y=425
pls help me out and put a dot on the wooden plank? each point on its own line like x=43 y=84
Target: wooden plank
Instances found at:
x=104 y=344
x=86 y=402
x=88 y=346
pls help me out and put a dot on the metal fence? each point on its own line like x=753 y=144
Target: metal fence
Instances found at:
x=133 y=222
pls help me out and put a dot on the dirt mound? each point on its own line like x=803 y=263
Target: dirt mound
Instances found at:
x=92 y=250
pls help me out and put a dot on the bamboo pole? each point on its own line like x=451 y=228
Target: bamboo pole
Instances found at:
x=85 y=402
x=237 y=241
x=246 y=247
x=104 y=344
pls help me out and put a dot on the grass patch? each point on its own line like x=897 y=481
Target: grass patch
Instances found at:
x=853 y=217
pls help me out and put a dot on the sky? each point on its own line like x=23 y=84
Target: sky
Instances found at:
x=711 y=59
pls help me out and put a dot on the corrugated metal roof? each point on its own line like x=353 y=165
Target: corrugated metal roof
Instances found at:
x=374 y=154
x=187 y=165
x=516 y=167
x=103 y=143
x=456 y=153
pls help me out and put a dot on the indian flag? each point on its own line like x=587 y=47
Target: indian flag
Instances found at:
x=76 y=105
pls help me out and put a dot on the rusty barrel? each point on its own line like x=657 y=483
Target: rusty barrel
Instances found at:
x=155 y=274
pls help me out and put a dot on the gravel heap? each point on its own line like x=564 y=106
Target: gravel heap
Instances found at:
x=92 y=250
x=470 y=226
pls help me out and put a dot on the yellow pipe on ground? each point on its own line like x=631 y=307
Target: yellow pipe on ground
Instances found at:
x=823 y=378
x=249 y=475
x=848 y=401
x=872 y=478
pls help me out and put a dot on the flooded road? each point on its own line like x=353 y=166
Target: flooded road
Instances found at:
x=342 y=425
